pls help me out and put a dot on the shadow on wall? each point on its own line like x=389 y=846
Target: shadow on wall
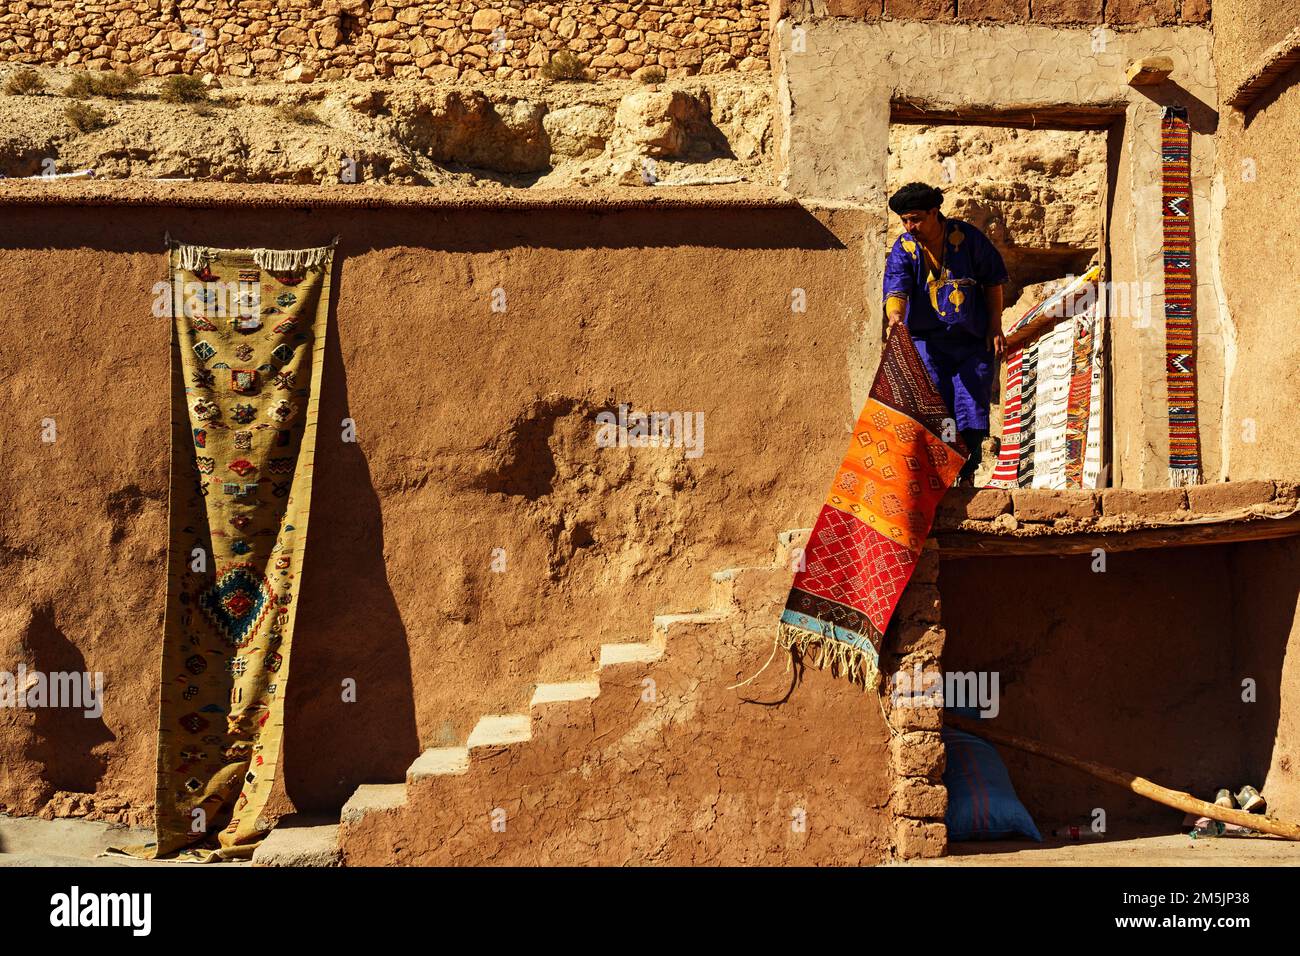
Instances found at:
x=1266 y=604
x=348 y=627
x=1280 y=85
x=62 y=739
x=452 y=230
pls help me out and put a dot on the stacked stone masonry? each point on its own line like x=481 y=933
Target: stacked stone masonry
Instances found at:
x=919 y=800
x=302 y=40
x=994 y=510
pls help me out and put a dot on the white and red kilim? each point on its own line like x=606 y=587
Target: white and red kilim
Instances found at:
x=1008 y=466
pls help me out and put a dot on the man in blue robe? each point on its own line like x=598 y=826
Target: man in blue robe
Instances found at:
x=943 y=281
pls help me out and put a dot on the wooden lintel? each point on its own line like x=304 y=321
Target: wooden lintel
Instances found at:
x=964 y=544
x=1051 y=116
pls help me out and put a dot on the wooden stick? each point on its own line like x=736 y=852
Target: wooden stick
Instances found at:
x=1139 y=785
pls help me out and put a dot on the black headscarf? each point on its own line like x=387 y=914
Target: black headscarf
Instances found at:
x=916 y=197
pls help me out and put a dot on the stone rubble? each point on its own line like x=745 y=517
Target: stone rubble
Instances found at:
x=525 y=133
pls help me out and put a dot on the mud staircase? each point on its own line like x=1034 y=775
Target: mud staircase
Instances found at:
x=525 y=787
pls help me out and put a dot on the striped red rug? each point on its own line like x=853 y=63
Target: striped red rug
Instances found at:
x=1180 y=322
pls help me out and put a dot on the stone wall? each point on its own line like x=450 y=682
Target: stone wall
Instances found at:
x=444 y=39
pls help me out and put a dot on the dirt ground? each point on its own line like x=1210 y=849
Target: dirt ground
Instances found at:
x=1123 y=848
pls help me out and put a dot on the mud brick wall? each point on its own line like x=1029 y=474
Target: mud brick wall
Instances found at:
x=1114 y=12
x=301 y=40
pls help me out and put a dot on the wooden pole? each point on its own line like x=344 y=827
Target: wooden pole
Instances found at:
x=1139 y=785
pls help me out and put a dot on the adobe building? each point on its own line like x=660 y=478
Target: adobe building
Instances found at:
x=543 y=635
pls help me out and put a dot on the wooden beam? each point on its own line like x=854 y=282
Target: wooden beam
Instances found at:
x=1049 y=116
x=964 y=544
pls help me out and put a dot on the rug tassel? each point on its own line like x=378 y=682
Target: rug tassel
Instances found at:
x=824 y=651
x=193 y=258
x=770 y=657
x=1183 y=477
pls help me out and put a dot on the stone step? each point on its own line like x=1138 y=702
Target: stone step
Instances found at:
x=439 y=762
x=373 y=798
x=500 y=730
x=665 y=623
x=629 y=652
x=561 y=693
x=315 y=845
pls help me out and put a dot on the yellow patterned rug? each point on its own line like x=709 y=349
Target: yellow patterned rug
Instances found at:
x=246 y=371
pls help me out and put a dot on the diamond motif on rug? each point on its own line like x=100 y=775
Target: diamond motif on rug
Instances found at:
x=851 y=564
x=236 y=603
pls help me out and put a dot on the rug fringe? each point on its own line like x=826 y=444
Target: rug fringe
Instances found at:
x=291 y=260
x=822 y=651
x=1182 y=477
x=193 y=258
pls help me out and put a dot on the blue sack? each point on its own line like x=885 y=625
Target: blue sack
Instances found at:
x=982 y=804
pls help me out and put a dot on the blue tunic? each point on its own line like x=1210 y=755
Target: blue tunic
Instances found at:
x=947 y=315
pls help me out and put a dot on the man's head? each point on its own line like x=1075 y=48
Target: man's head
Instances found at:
x=917 y=204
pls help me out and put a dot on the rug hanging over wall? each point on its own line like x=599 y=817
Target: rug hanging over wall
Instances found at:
x=1052 y=412
x=247 y=357
x=904 y=455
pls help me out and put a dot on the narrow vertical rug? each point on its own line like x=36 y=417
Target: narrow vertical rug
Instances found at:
x=1076 y=421
x=1028 y=414
x=1092 y=457
x=250 y=330
x=1180 y=323
x=1056 y=353
x=874 y=522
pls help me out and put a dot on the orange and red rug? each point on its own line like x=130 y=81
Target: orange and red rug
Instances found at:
x=904 y=454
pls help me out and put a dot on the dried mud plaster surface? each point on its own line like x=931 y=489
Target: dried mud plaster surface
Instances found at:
x=474 y=430
x=667 y=766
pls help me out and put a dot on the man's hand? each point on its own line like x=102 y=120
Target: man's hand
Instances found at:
x=895 y=313
x=997 y=342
